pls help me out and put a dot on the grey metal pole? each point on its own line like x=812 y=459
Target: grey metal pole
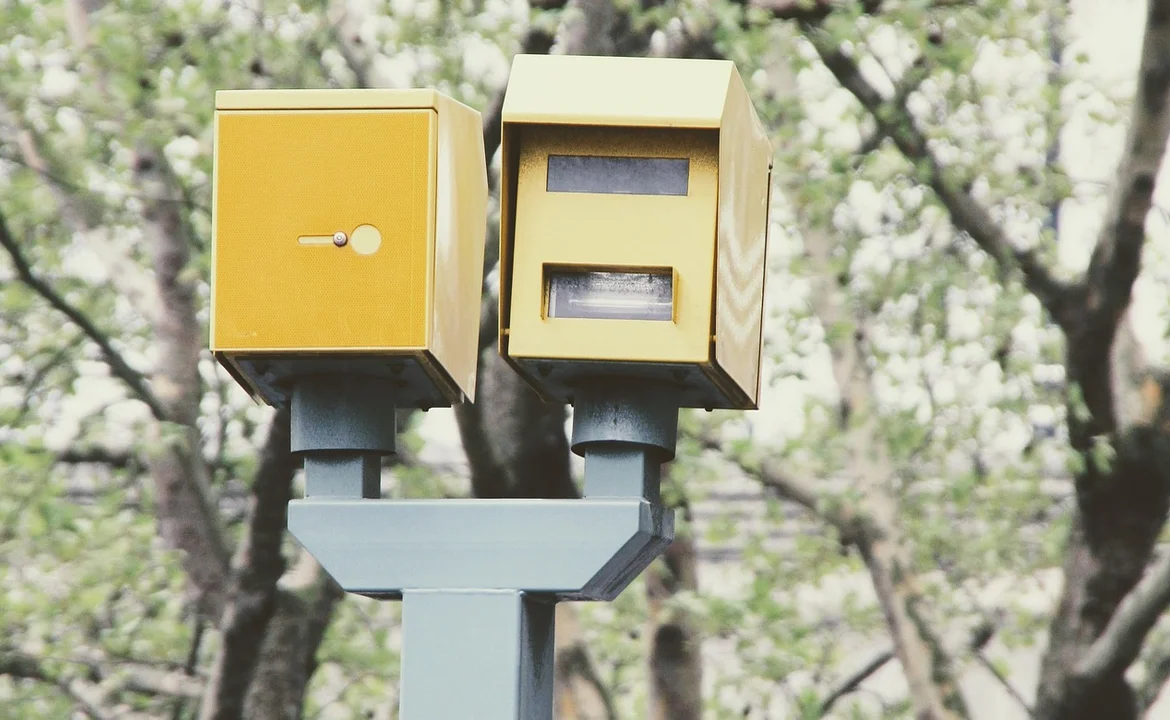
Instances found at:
x=480 y=579
x=488 y=654
x=342 y=425
x=625 y=430
x=477 y=654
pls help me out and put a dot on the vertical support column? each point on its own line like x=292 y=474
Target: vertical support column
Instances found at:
x=342 y=425
x=483 y=654
x=625 y=430
x=469 y=652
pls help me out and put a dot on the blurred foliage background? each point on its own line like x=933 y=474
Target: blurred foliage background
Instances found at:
x=949 y=505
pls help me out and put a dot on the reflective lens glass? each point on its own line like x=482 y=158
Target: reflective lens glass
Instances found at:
x=610 y=295
x=618 y=175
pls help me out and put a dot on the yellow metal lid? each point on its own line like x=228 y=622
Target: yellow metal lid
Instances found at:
x=623 y=91
x=331 y=99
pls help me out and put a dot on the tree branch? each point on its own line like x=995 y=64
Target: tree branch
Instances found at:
x=37 y=165
x=304 y=605
x=62 y=355
x=82 y=212
x=118 y=365
x=341 y=26
x=1156 y=679
x=675 y=661
x=515 y=443
x=1112 y=584
x=879 y=535
x=324 y=596
x=536 y=41
x=812 y=10
x=848 y=520
x=257 y=567
x=851 y=683
x=574 y=662
x=870 y=523
x=925 y=662
x=579 y=692
x=187 y=516
x=980 y=636
x=129 y=676
x=1005 y=682
x=198 y=631
x=93 y=455
x=1120 y=643
x=1116 y=260
x=895 y=121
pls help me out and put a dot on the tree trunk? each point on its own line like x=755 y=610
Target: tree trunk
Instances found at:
x=288 y=656
x=1121 y=507
x=579 y=693
x=515 y=442
x=675 y=659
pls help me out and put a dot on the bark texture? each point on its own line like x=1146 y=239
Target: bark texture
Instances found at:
x=1122 y=501
x=675 y=641
x=258 y=566
x=303 y=607
x=579 y=693
x=187 y=517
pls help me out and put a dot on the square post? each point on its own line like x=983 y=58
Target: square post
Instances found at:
x=342 y=425
x=484 y=654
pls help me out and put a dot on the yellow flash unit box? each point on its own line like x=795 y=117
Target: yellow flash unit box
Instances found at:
x=633 y=230
x=348 y=234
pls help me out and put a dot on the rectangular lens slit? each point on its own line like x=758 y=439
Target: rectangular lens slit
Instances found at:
x=618 y=175
x=610 y=295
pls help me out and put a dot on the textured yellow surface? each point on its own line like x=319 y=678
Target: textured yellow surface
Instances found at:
x=745 y=161
x=459 y=242
x=587 y=90
x=565 y=102
x=333 y=99
x=281 y=175
x=614 y=231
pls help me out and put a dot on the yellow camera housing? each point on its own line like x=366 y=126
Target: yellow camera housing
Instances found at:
x=348 y=236
x=635 y=183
